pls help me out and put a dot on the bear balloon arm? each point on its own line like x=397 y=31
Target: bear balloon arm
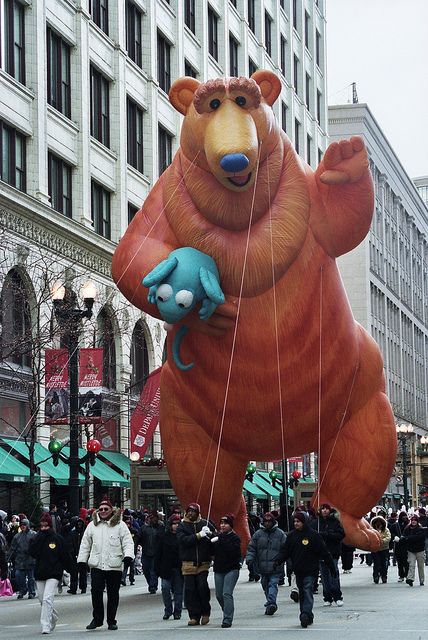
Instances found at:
x=217 y=325
x=342 y=197
x=207 y=309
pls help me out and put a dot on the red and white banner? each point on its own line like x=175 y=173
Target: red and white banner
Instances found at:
x=90 y=386
x=56 y=386
x=145 y=417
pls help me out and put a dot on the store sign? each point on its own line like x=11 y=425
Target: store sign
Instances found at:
x=90 y=386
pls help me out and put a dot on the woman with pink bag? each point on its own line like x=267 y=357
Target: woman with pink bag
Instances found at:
x=5 y=584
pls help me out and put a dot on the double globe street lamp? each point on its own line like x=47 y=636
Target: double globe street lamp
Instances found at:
x=403 y=432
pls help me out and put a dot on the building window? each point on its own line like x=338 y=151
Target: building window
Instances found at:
x=16 y=338
x=165 y=149
x=139 y=360
x=308 y=149
x=212 y=33
x=320 y=153
x=284 y=116
x=252 y=67
x=133 y=33
x=58 y=73
x=252 y=15
x=268 y=33
x=164 y=63
x=308 y=91
x=307 y=29
x=318 y=106
x=283 y=53
x=99 y=13
x=134 y=135
x=12 y=157
x=189 y=70
x=100 y=107
x=132 y=210
x=317 y=47
x=189 y=14
x=296 y=74
x=59 y=184
x=233 y=52
x=295 y=21
x=107 y=342
x=297 y=135
x=12 y=39
x=100 y=210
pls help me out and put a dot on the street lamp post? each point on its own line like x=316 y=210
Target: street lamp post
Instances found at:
x=70 y=318
x=403 y=430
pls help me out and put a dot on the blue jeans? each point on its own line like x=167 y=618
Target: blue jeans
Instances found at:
x=148 y=563
x=380 y=564
x=269 y=583
x=173 y=585
x=306 y=595
x=26 y=582
x=224 y=586
x=330 y=584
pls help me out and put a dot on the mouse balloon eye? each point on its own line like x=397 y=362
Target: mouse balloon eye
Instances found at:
x=164 y=292
x=184 y=298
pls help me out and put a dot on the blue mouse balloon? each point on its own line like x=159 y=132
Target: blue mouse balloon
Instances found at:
x=176 y=285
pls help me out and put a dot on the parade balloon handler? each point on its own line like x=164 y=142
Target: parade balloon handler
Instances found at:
x=227 y=564
x=52 y=559
x=168 y=568
x=106 y=547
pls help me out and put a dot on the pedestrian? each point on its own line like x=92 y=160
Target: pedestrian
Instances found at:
x=328 y=526
x=52 y=558
x=347 y=557
x=305 y=548
x=106 y=546
x=381 y=557
x=253 y=524
x=227 y=564
x=79 y=574
x=22 y=560
x=194 y=539
x=415 y=538
x=135 y=534
x=423 y=521
x=150 y=533
x=400 y=545
x=168 y=568
x=262 y=556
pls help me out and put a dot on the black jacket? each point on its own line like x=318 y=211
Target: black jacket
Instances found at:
x=149 y=539
x=331 y=532
x=227 y=552
x=193 y=548
x=167 y=555
x=51 y=555
x=415 y=537
x=305 y=549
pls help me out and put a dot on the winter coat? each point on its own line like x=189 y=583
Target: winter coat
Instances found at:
x=263 y=550
x=167 y=555
x=379 y=523
x=19 y=550
x=77 y=534
x=106 y=543
x=423 y=521
x=331 y=531
x=51 y=555
x=149 y=538
x=195 y=552
x=415 y=538
x=305 y=549
x=227 y=552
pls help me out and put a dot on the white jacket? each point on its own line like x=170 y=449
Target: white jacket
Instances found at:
x=106 y=543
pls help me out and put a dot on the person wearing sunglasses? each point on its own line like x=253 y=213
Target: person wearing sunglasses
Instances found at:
x=107 y=547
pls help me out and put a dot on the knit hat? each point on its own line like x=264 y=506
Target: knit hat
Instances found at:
x=194 y=506
x=325 y=505
x=414 y=516
x=25 y=522
x=174 y=518
x=269 y=516
x=228 y=519
x=46 y=518
x=106 y=501
x=301 y=516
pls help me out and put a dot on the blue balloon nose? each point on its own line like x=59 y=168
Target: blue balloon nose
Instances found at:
x=234 y=162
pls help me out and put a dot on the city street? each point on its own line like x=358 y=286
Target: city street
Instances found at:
x=370 y=612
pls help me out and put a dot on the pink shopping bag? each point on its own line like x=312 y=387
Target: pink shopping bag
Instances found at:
x=6 y=588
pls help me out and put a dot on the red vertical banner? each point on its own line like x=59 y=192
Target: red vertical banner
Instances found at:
x=145 y=417
x=56 y=386
x=90 y=386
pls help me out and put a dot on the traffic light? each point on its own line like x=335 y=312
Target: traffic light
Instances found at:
x=294 y=480
x=251 y=470
x=55 y=447
x=273 y=477
x=93 y=447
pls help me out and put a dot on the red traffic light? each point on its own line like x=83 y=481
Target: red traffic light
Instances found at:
x=296 y=475
x=93 y=446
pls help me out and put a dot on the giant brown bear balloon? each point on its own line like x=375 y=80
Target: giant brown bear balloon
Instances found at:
x=281 y=368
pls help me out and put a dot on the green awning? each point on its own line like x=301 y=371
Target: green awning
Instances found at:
x=266 y=486
x=43 y=459
x=105 y=474
x=119 y=460
x=12 y=470
x=254 y=490
x=265 y=475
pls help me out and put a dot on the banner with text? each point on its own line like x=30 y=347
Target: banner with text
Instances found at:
x=56 y=385
x=146 y=414
x=90 y=386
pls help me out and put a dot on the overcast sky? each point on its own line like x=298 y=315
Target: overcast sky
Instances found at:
x=382 y=45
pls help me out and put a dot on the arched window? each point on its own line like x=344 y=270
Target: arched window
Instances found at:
x=139 y=359
x=16 y=338
x=107 y=342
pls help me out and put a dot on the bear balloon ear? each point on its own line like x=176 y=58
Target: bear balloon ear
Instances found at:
x=182 y=92
x=269 y=83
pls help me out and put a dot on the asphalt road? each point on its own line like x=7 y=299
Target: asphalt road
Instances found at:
x=378 y=612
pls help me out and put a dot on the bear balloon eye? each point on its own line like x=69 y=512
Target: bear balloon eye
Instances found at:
x=241 y=101
x=184 y=298
x=164 y=292
x=214 y=104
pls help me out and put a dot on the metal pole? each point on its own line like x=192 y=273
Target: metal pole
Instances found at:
x=404 y=455
x=73 y=372
x=284 y=469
